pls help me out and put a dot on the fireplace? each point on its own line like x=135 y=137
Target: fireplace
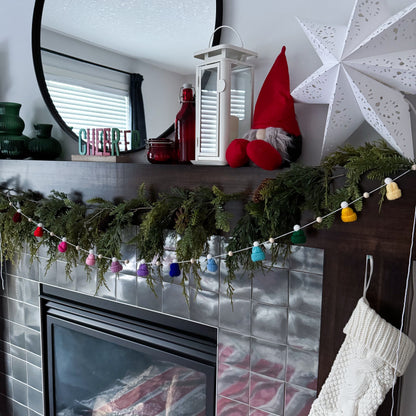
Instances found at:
x=104 y=358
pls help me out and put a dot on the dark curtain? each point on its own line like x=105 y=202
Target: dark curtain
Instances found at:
x=138 y=122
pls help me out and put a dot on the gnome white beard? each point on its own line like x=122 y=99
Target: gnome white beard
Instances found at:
x=275 y=136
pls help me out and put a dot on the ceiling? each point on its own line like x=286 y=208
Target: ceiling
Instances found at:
x=163 y=32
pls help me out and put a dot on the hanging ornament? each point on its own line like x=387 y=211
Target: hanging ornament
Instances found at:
x=174 y=270
x=298 y=236
x=392 y=190
x=142 y=271
x=39 y=230
x=257 y=253
x=90 y=260
x=115 y=265
x=347 y=213
x=211 y=265
x=63 y=246
x=17 y=217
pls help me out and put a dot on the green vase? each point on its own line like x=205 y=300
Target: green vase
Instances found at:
x=43 y=146
x=13 y=144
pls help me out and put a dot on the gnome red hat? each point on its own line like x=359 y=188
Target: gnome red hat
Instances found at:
x=275 y=106
x=275 y=136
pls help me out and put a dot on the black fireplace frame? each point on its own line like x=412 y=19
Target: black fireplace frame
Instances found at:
x=186 y=342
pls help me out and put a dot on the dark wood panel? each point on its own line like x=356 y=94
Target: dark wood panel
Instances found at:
x=386 y=235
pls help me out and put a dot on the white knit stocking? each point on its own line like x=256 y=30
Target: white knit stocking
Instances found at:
x=364 y=368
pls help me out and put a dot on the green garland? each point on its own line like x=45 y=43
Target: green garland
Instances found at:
x=194 y=215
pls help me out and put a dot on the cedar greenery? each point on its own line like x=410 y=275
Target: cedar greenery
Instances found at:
x=192 y=216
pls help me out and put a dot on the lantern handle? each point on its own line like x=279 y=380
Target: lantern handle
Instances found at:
x=226 y=27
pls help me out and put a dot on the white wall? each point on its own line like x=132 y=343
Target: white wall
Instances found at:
x=264 y=25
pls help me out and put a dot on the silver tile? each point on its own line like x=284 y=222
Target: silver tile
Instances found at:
x=19 y=369
x=233 y=383
x=174 y=301
x=146 y=298
x=83 y=283
x=305 y=292
x=126 y=288
x=281 y=261
x=47 y=275
x=35 y=400
x=17 y=351
x=204 y=307
x=34 y=359
x=19 y=409
x=269 y=323
x=302 y=368
x=170 y=241
x=32 y=317
x=227 y=407
x=16 y=311
x=108 y=291
x=34 y=377
x=19 y=392
x=268 y=359
x=267 y=394
x=17 y=335
x=304 y=330
x=32 y=341
x=62 y=279
x=233 y=349
x=298 y=401
x=128 y=251
x=235 y=315
x=307 y=259
x=241 y=284
x=31 y=292
x=24 y=267
x=271 y=287
x=14 y=287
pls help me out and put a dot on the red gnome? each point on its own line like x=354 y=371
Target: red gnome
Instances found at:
x=274 y=139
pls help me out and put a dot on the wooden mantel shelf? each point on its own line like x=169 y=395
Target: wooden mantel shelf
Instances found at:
x=113 y=180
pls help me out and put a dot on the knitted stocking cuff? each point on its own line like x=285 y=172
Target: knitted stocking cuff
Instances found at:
x=369 y=329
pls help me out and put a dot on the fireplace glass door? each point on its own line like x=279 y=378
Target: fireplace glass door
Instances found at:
x=102 y=365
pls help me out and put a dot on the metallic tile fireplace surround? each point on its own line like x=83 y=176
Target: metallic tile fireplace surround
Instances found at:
x=267 y=341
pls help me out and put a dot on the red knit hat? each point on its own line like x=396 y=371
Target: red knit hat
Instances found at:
x=275 y=106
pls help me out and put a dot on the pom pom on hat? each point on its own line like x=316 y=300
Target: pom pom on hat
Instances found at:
x=211 y=265
x=392 y=190
x=115 y=265
x=347 y=213
x=39 y=230
x=142 y=271
x=257 y=253
x=90 y=260
x=174 y=270
x=236 y=153
x=17 y=217
x=264 y=155
x=62 y=246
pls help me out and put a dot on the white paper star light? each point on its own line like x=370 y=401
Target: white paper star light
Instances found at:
x=367 y=66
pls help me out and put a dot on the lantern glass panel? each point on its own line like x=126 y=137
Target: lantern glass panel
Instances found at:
x=241 y=96
x=208 y=144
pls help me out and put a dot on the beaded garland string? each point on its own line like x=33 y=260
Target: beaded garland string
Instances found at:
x=116 y=264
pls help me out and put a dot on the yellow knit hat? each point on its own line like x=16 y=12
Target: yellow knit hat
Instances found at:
x=392 y=190
x=347 y=213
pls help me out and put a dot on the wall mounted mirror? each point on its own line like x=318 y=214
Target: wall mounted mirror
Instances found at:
x=100 y=45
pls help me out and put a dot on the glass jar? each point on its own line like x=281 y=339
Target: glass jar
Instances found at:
x=160 y=151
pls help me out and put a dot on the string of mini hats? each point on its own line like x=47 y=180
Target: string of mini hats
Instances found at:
x=297 y=234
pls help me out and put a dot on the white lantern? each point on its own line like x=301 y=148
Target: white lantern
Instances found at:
x=224 y=100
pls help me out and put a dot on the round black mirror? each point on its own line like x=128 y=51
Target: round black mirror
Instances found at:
x=45 y=8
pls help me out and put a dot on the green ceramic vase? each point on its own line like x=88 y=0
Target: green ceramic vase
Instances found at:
x=13 y=144
x=43 y=146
